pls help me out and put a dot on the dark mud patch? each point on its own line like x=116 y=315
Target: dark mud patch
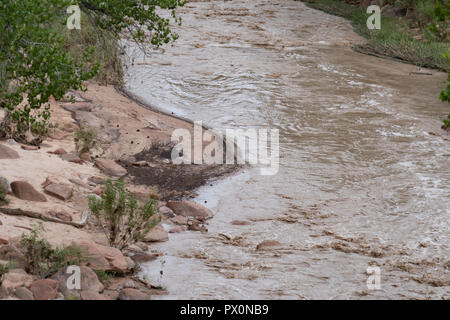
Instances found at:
x=153 y=167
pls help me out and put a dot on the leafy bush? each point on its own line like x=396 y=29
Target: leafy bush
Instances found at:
x=44 y=260
x=440 y=25
x=104 y=276
x=445 y=93
x=85 y=140
x=3 y=199
x=40 y=58
x=447 y=122
x=119 y=214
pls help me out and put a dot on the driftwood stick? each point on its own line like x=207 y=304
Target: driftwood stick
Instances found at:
x=35 y=215
x=147 y=284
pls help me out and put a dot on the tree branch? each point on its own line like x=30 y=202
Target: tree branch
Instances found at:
x=35 y=215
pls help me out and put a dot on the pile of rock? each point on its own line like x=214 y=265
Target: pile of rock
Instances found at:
x=64 y=284
x=177 y=216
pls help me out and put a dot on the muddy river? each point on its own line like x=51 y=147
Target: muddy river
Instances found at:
x=364 y=177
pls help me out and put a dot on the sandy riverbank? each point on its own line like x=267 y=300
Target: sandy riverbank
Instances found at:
x=134 y=137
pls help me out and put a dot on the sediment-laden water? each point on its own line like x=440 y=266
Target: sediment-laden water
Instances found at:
x=364 y=175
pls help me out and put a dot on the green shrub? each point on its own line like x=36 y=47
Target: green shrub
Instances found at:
x=439 y=27
x=424 y=12
x=29 y=127
x=447 y=122
x=108 y=51
x=445 y=93
x=85 y=140
x=44 y=260
x=40 y=58
x=4 y=269
x=104 y=276
x=120 y=216
x=395 y=38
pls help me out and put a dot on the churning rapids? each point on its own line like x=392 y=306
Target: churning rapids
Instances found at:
x=364 y=176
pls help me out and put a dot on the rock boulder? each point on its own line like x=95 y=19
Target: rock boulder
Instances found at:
x=89 y=282
x=189 y=208
x=25 y=191
x=59 y=190
x=8 y=153
x=157 y=234
x=24 y=294
x=102 y=257
x=16 y=278
x=132 y=294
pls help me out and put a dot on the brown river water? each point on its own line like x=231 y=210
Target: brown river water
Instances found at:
x=364 y=176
